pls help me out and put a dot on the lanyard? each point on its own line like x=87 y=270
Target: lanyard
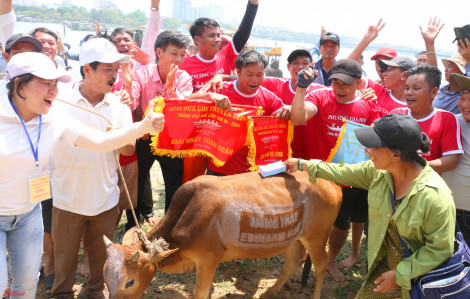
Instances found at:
x=35 y=151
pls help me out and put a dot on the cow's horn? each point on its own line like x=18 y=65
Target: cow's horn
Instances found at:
x=107 y=241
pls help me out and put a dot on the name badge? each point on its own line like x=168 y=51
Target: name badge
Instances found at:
x=40 y=187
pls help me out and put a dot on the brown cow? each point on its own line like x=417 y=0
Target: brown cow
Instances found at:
x=214 y=219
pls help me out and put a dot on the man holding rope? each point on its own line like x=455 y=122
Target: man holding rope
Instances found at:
x=84 y=183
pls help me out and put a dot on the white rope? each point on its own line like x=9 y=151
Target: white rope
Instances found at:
x=141 y=233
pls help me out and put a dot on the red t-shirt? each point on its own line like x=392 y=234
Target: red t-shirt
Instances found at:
x=330 y=115
x=386 y=101
x=303 y=143
x=271 y=104
x=443 y=128
x=201 y=70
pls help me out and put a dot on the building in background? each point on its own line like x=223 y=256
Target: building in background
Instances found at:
x=25 y=2
x=67 y=3
x=182 y=9
x=104 y=4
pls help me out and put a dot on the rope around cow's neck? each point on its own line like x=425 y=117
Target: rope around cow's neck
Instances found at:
x=141 y=233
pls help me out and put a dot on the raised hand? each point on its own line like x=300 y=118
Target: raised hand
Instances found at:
x=373 y=31
x=127 y=72
x=140 y=56
x=430 y=33
x=170 y=79
x=306 y=77
x=97 y=28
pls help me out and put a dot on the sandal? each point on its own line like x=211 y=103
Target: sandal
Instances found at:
x=48 y=281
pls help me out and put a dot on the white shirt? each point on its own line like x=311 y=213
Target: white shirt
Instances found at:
x=84 y=181
x=458 y=180
x=16 y=157
x=7 y=27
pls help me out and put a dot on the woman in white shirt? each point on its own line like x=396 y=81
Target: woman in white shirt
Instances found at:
x=30 y=126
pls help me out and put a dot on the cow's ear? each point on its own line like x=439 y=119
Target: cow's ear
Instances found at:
x=130 y=237
x=135 y=257
x=158 y=257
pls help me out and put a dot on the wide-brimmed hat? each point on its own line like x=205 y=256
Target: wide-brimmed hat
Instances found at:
x=458 y=60
x=398 y=130
x=36 y=64
x=462 y=82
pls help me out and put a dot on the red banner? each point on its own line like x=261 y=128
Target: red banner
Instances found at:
x=194 y=128
x=272 y=139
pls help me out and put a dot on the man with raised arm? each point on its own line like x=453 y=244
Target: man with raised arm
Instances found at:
x=390 y=95
x=212 y=60
x=328 y=107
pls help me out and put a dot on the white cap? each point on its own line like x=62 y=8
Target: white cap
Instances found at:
x=36 y=64
x=101 y=50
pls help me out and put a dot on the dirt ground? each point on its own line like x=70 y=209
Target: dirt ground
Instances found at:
x=240 y=278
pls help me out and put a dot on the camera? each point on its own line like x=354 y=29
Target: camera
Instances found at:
x=461 y=33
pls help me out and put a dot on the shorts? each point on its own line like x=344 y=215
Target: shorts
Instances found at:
x=353 y=208
x=46 y=208
x=130 y=172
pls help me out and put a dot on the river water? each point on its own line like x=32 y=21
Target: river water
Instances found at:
x=73 y=38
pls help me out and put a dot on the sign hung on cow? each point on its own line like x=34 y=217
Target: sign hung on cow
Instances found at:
x=272 y=138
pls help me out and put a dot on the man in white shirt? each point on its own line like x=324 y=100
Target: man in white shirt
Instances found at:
x=84 y=183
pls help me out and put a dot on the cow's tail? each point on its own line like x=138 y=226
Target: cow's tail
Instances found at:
x=306 y=271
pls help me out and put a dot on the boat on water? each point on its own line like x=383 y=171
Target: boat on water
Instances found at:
x=83 y=26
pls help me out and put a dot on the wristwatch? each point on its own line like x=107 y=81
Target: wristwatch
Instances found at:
x=154 y=8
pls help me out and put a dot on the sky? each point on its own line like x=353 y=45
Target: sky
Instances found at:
x=345 y=17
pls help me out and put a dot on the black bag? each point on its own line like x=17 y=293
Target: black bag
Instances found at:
x=450 y=280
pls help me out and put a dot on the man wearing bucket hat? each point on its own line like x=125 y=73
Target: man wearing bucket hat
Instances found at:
x=458 y=179
x=448 y=95
x=406 y=197
x=328 y=107
x=84 y=184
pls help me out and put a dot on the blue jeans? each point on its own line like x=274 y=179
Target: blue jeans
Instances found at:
x=22 y=236
x=463 y=219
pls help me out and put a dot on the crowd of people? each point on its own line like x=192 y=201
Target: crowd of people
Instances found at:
x=418 y=142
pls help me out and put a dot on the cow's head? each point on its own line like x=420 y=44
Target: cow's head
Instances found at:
x=129 y=270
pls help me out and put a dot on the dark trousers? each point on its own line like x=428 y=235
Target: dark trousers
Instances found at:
x=463 y=219
x=172 y=171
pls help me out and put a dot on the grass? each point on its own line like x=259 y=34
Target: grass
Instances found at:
x=241 y=278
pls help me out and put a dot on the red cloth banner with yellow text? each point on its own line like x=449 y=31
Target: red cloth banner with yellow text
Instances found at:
x=194 y=128
x=272 y=139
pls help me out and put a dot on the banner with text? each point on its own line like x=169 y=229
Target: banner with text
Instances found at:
x=348 y=149
x=194 y=128
x=272 y=139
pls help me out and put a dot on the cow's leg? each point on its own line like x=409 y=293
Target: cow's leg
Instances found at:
x=204 y=274
x=292 y=261
x=319 y=256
